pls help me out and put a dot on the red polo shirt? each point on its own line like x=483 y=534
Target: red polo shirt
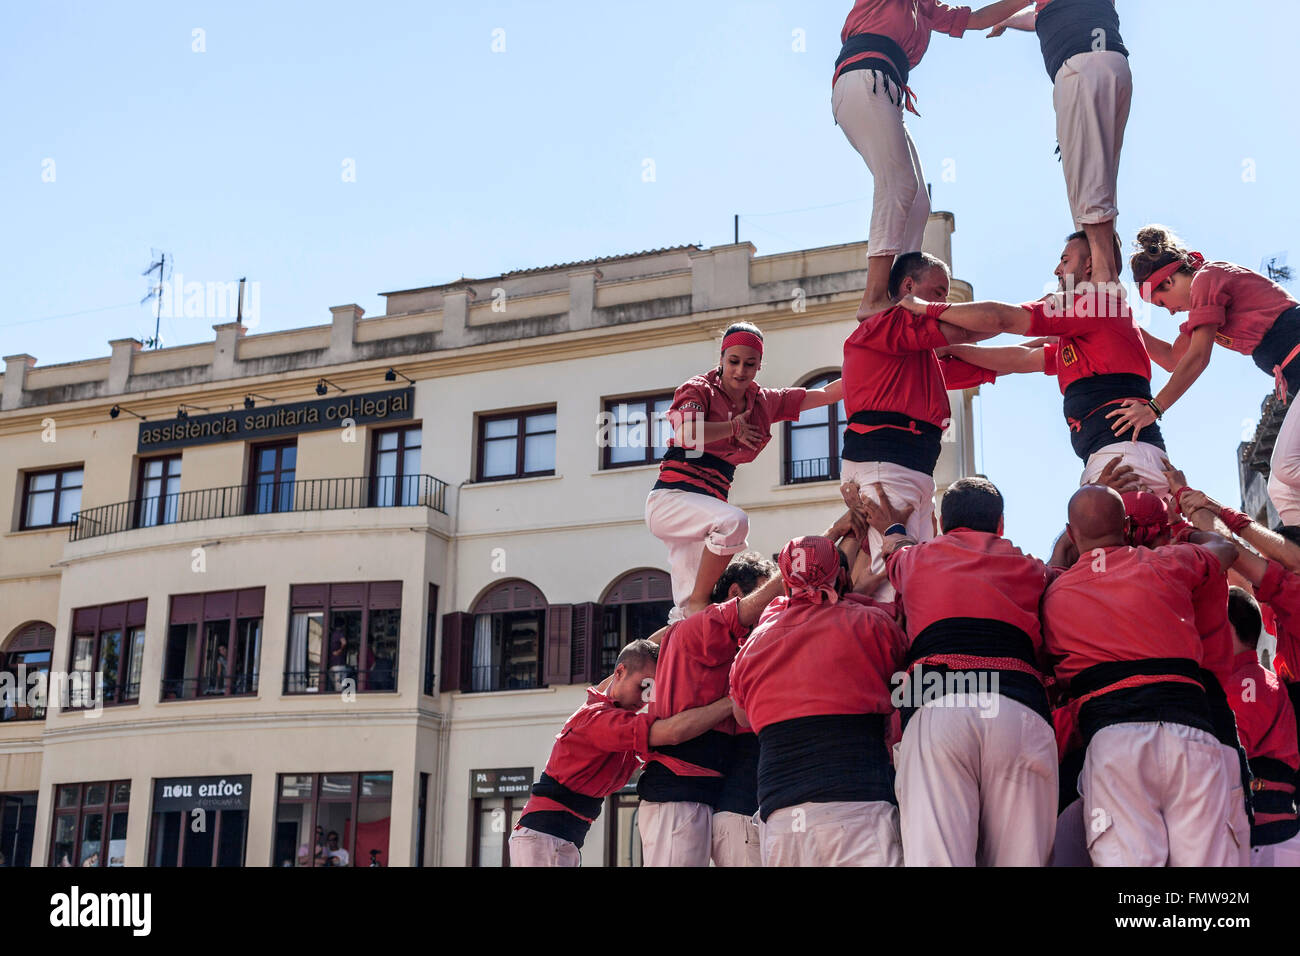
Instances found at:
x=890 y=366
x=1089 y=342
x=968 y=574
x=1265 y=717
x=1126 y=604
x=810 y=660
x=695 y=663
x=596 y=752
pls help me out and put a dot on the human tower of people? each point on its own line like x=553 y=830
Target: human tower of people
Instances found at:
x=905 y=690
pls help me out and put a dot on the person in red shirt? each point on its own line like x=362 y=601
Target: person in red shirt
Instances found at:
x=813 y=681
x=1240 y=310
x=1092 y=88
x=679 y=796
x=883 y=40
x=1119 y=626
x=595 y=754
x=1267 y=724
x=976 y=770
x=896 y=399
x=720 y=419
x=1095 y=351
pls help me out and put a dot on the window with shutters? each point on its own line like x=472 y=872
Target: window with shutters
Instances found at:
x=814 y=440
x=25 y=668
x=634 y=607
x=214 y=645
x=343 y=637
x=509 y=638
x=106 y=655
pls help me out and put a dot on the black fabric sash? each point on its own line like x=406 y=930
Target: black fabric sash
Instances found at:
x=1086 y=402
x=823 y=759
x=908 y=442
x=1276 y=345
x=897 y=69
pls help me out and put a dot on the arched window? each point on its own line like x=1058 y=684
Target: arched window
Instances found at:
x=813 y=442
x=25 y=652
x=634 y=606
x=509 y=629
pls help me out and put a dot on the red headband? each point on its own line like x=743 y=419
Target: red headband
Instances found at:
x=811 y=568
x=742 y=337
x=1194 y=261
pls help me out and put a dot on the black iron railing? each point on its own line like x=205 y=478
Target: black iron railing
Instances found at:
x=309 y=494
x=194 y=688
x=341 y=678
x=811 y=469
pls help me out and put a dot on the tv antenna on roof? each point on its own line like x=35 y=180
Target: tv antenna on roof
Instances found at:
x=162 y=264
x=1275 y=268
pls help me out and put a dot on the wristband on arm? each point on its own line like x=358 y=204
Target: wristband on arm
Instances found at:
x=895 y=528
x=936 y=309
x=1235 y=520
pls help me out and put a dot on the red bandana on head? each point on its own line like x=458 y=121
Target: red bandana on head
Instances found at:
x=1146 y=289
x=743 y=337
x=1148 y=518
x=811 y=567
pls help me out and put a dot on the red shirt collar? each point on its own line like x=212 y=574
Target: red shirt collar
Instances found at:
x=715 y=379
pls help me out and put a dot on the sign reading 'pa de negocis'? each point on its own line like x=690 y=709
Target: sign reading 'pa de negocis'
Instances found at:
x=273 y=420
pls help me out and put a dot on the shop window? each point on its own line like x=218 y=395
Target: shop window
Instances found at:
x=199 y=821
x=332 y=819
x=89 y=824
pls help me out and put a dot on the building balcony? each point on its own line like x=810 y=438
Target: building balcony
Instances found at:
x=257 y=500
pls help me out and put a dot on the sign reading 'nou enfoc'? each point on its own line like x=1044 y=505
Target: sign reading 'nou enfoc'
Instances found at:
x=244 y=424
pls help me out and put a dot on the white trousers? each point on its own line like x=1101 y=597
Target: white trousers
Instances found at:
x=904 y=487
x=873 y=123
x=531 y=848
x=1091 y=94
x=1284 y=468
x=735 y=840
x=1161 y=794
x=688 y=523
x=977 y=789
x=1144 y=459
x=847 y=833
x=675 y=833
x=1286 y=853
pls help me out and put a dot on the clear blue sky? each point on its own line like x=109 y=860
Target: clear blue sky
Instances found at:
x=473 y=162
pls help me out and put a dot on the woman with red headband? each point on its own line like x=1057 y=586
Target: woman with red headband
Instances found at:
x=883 y=40
x=720 y=419
x=1241 y=310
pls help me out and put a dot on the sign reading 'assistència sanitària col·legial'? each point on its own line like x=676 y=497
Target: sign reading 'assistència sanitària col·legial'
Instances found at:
x=273 y=420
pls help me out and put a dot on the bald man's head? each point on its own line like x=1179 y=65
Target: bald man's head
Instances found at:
x=1096 y=517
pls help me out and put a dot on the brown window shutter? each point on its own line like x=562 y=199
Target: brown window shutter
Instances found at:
x=112 y=616
x=186 y=608
x=219 y=606
x=135 y=613
x=347 y=595
x=584 y=643
x=457 y=649
x=558 y=660
x=36 y=636
x=309 y=595
x=659 y=586
x=386 y=594
x=85 y=620
x=250 y=602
